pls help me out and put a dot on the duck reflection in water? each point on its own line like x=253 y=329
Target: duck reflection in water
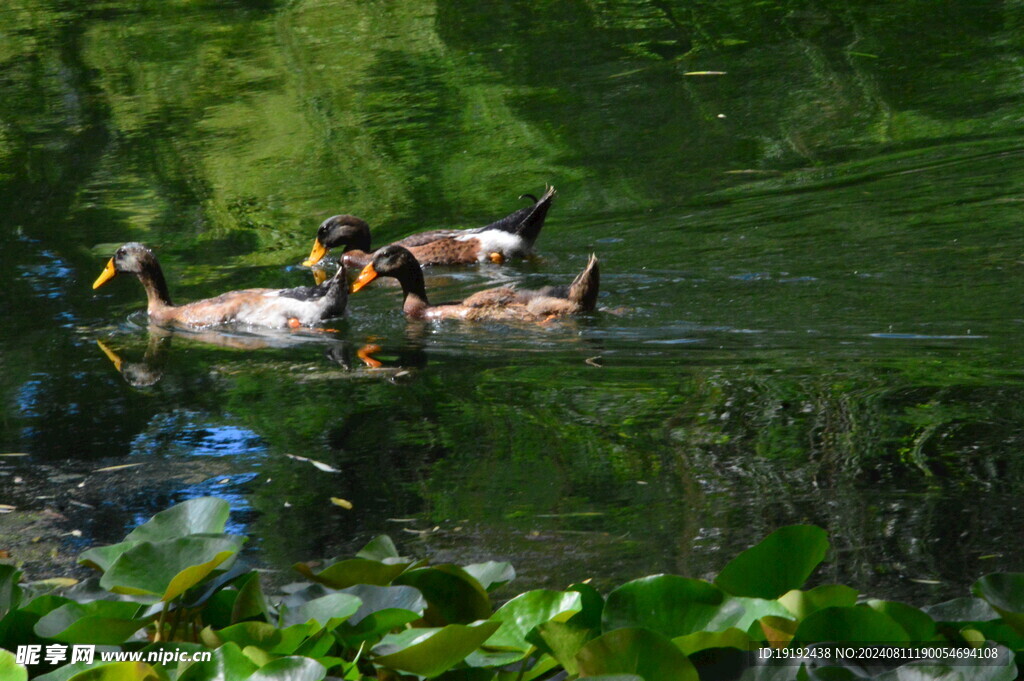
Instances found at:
x=373 y=360
x=142 y=374
x=367 y=360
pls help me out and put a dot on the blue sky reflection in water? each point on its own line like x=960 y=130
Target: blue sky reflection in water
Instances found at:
x=811 y=274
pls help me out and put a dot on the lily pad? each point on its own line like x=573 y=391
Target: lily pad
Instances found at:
x=354 y=571
x=11 y=670
x=782 y=561
x=491 y=574
x=430 y=652
x=121 y=671
x=167 y=569
x=635 y=651
x=290 y=669
x=668 y=604
x=95 y=622
x=453 y=595
x=859 y=624
x=227 y=662
x=803 y=603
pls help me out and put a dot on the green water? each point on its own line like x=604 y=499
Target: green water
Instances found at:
x=811 y=277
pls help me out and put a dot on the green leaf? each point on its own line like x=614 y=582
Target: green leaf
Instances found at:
x=668 y=604
x=430 y=652
x=1000 y=633
x=263 y=636
x=121 y=671
x=290 y=669
x=919 y=626
x=257 y=634
x=702 y=640
x=95 y=622
x=635 y=651
x=454 y=597
x=379 y=548
x=11 y=670
x=10 y=592
x=593 y=605
x=353 y=571
x=803 y=603
x=102 y=557
x=250 y=603
x=1005 y=593
x=739 y=612
x=781 y=562
x=227 y=662
x=206 y=515
x=562 y=641
x=491 y=574
x=383 y=609
x=524 y=612
x=66 y=672
x=328 y=611
x=962 y=610
x=169 y=568
x=858 y=624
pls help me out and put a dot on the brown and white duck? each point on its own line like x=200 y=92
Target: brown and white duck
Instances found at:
x=511 y=237
x=294 y=307
x=496 y=304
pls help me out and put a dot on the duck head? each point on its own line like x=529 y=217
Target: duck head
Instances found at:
x=391 y=261
x=131 y=258
x=346 y=230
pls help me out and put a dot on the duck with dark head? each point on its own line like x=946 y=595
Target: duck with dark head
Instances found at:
x=294 y=307
x=511 y=237
x=496 y=304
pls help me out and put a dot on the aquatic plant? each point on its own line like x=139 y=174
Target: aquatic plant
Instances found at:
x=177 y=586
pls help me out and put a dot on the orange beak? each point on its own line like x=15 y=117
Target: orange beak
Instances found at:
x=108 y=274
x=365 y=277
x=316 y=254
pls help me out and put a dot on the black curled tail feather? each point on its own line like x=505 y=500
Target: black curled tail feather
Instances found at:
x=526 y=222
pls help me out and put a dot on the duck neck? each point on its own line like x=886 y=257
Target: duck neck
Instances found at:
x=414 y=292
x=156 y=289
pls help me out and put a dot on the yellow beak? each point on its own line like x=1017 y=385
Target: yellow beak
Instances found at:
x=316 y=254
x=108 y=274
x=365 y=277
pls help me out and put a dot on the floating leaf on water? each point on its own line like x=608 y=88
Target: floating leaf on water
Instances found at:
x=326 y=468
x=344 y=503
x=55 y=583
x=116 y=468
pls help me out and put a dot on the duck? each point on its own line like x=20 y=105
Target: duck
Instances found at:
x=496 y=304
x=290 y=307
x=510 y=237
